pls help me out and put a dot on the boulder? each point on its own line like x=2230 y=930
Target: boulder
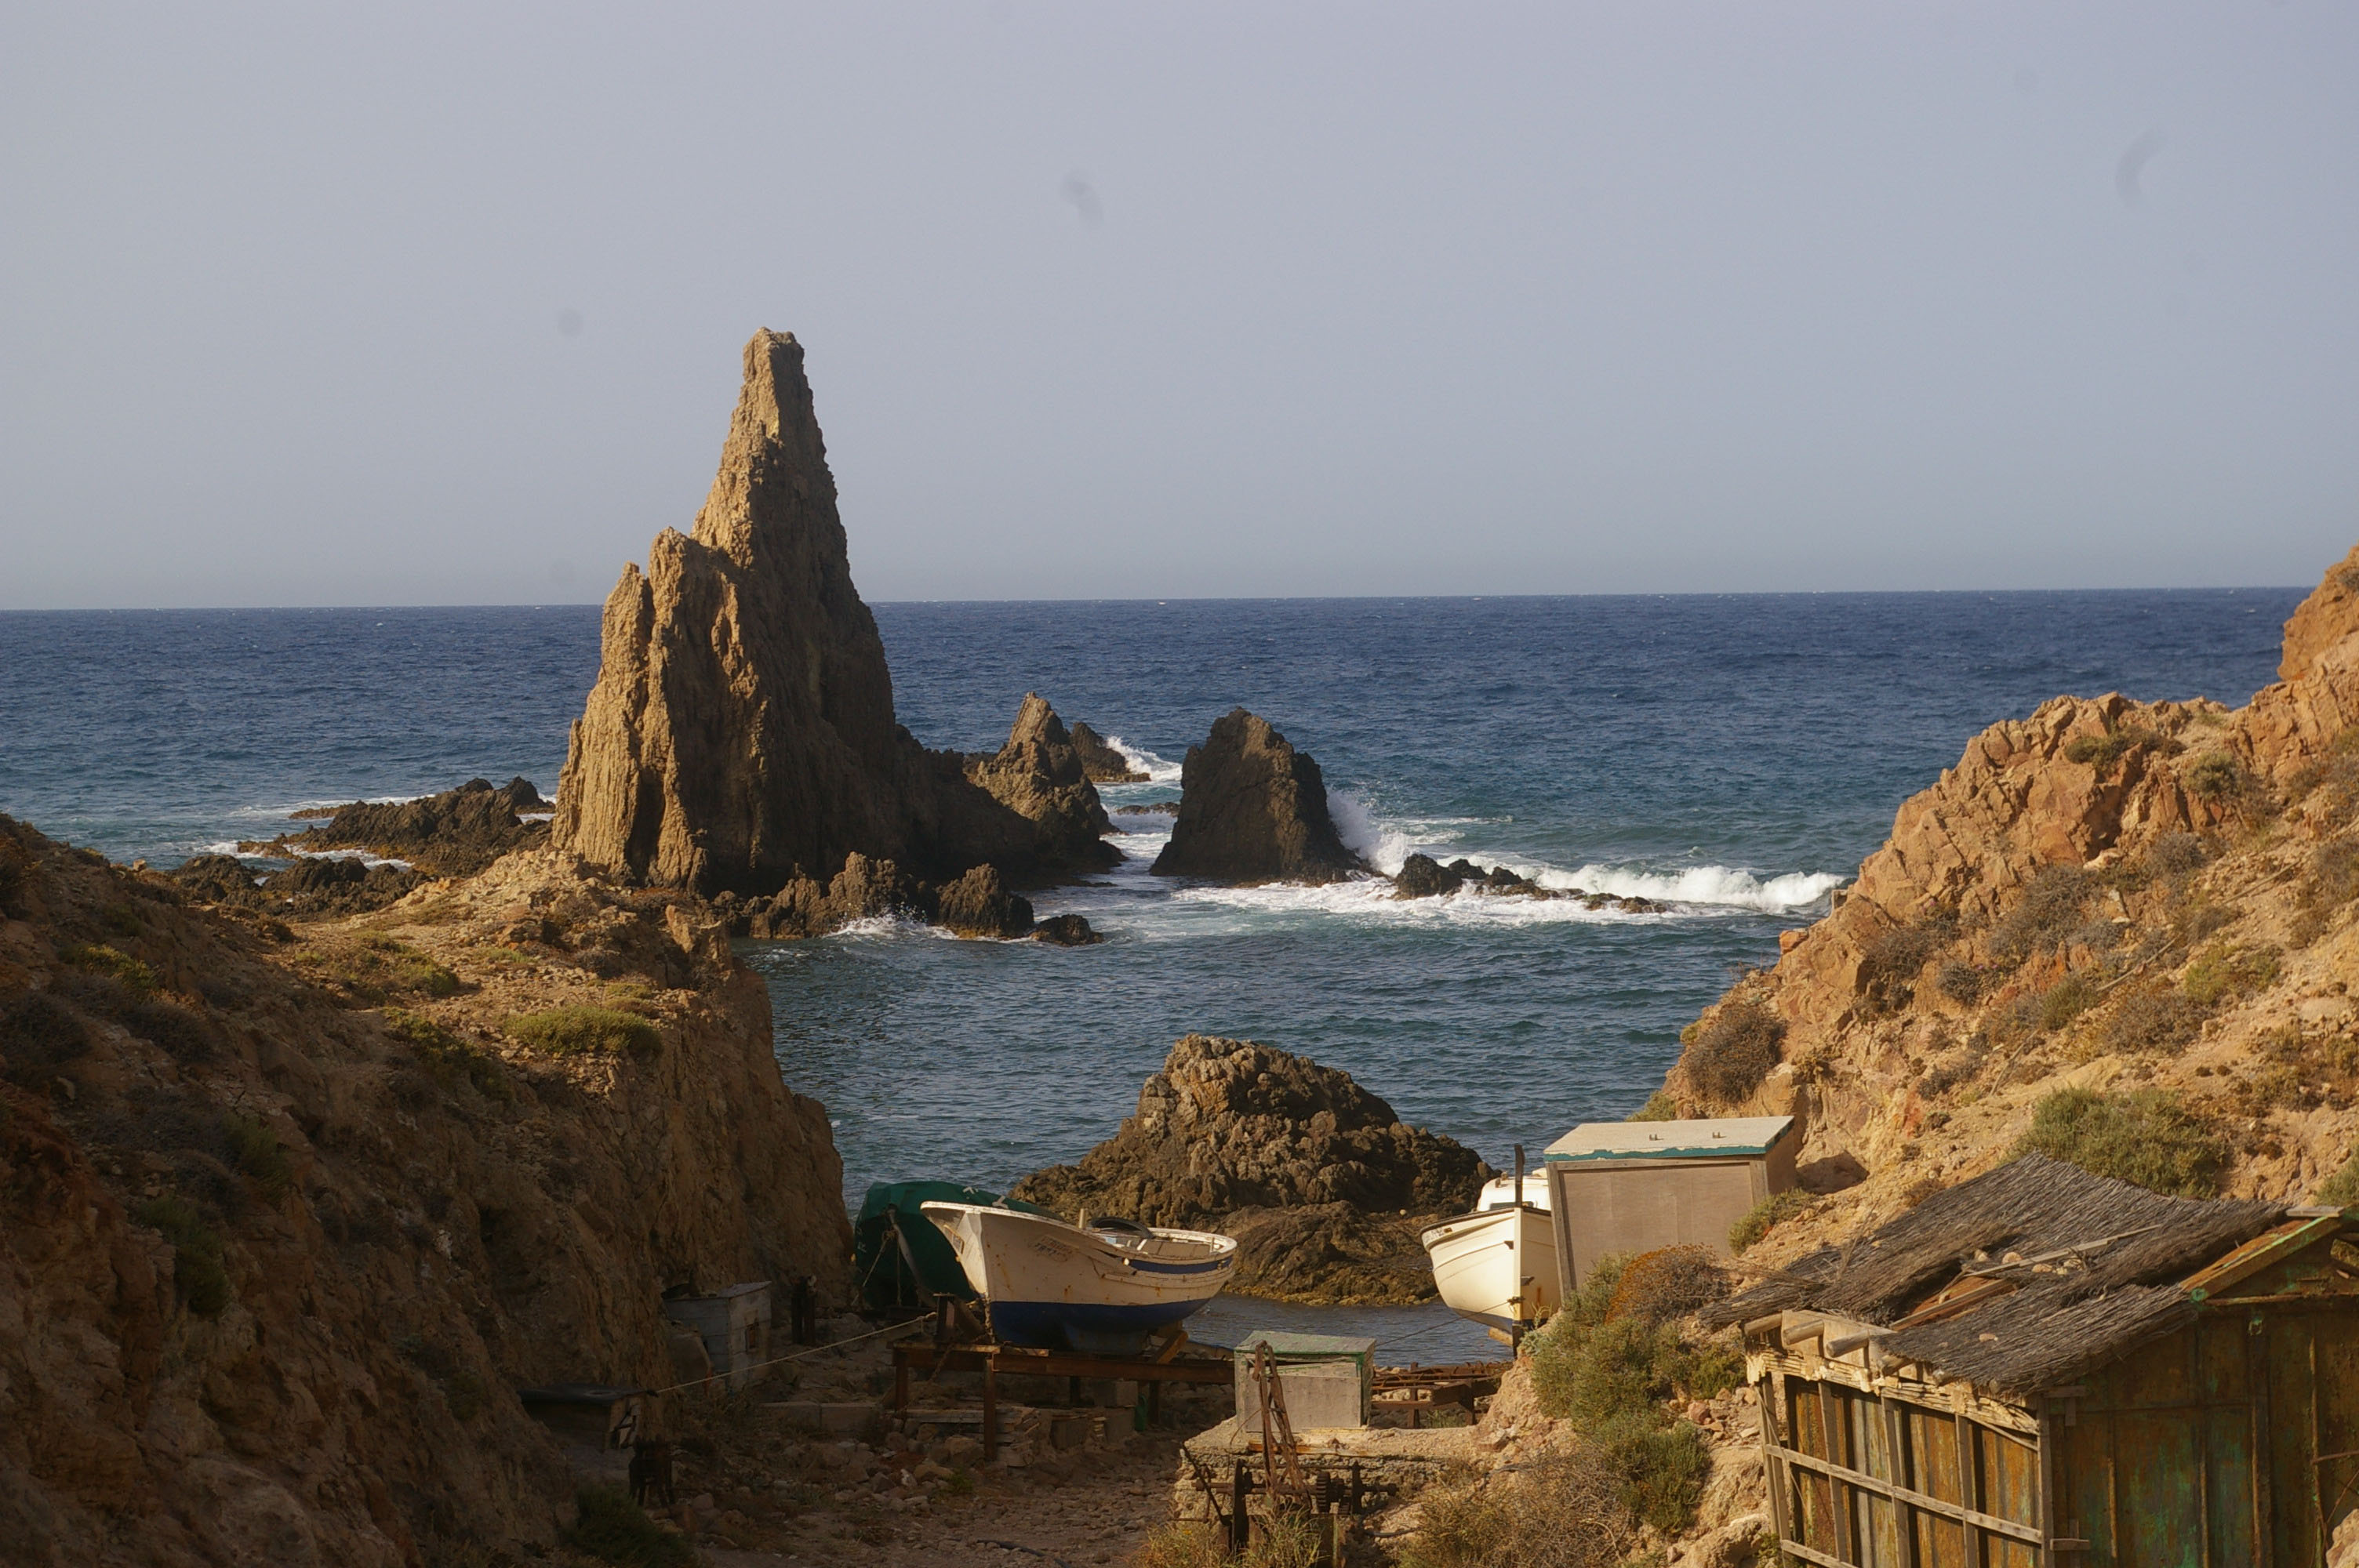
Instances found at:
x=1335 y=1182
x=1421 y=876
x=1066 y=931
x=1253 y=809
x=1039 y=776
x=1101 y=761
x=741 y=733
x=977 y=904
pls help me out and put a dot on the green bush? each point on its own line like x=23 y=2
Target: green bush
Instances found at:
x=1766 y=1215
x=2221 y=972
x=254 y=1150
x=2145 y=1137
x=2065 y=1001
x=39 y=1034
x=1730 y=1055
x=452 y=1059
x=580 y=1030
x=120 y=966
x=2216 y=775
x=197 y=1271
x=613 y=1529
x=1660 y=1464
x=2101 y=751
x=1659 y=1106
x=2341 y=1190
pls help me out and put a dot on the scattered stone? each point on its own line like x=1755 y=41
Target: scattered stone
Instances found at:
x=1253 y=809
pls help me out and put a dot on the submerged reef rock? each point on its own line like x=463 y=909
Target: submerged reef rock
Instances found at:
x=454 y=834
x=1316 y=1177
x=741 y=735
x=1253 y=809
x=1039 y=774
x=287 y=1216
x=1101 y=761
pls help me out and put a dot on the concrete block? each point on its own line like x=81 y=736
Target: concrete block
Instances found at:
x=1319 y=1394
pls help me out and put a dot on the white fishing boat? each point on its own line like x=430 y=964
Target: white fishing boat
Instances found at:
x=1497 y=1265
x=1103 y=1286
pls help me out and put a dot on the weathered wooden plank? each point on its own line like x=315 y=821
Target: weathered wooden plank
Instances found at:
x=1845 y=1474
x=2270 y=1246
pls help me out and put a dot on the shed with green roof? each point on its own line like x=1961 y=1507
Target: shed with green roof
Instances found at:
x=1631 y=1186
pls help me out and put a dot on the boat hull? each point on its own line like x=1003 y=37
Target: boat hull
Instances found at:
x=1048 y=1284
x=1497 y=1266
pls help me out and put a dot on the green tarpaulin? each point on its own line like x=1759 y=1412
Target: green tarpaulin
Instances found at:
x=890 y=1234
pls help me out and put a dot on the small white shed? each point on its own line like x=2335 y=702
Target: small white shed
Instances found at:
x=1633 y=1186
x=734 y=1325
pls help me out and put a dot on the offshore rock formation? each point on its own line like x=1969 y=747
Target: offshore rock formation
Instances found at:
x=975 y=904
x=1253 y=809
x=741 y=733
x=1041 y=776
x=1422 y=876
x=2106 y=895
x=1311 y=1172
x=286 y=1219
x=1101 y=761
x=454 y=834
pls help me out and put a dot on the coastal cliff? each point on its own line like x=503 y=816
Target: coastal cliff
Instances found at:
x=741 y=734
x=2144 y=908
x=288 y=1212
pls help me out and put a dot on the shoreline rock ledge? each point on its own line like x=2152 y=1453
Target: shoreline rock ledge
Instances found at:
x=1322 y=1184
x=1253 y=809
x=741 y=736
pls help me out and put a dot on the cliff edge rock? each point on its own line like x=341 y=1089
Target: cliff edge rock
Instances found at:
x=1312 y=1175
x=1253 y=809
x=1039 y=774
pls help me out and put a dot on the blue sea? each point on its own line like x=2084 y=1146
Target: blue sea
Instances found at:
x=1733 y=757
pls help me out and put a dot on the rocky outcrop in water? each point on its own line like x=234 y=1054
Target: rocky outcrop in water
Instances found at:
x=741 y=734
x=1039 y=774
x=1422 y=876
x=454 y=834
x=1253 y=809
x=1101 y=761
x=285 y=1223
x=975 y=904
x=1311 y=1172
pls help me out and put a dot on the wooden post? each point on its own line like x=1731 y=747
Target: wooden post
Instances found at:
x=1240 y=1527
x=990 y=1407
x=900 y=1378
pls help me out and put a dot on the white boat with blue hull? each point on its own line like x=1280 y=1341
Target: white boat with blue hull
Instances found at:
x=1102 y=1287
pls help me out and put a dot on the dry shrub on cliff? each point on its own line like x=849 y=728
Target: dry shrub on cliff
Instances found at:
x=1961 y=982
x=378 y=967
x=2340 y=1190
x=1659 y=1106
x=39 y=1034
x=1564 y=1511
x=1959 y=1067
x=584 y=1031
x=2153 y=1019
x=1728 y=1058
x=2050 y=906
x=97 y=958
x=2145 y=1137
x=1181 y=1545
x=1765 y=1216
x=197 y=1272
x=2065 y=1001
x=1668 y=1284
x=256 y=1152
x=1889 y=967
x=2329 y=787
x=2101 y=751
x=450 y=1058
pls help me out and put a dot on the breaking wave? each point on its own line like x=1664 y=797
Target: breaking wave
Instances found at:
x=1156 y=770
x=1722 y=886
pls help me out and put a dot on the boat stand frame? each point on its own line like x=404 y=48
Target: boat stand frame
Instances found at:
x=1152 y=1371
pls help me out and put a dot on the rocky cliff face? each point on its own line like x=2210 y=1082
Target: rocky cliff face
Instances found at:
x=1251 y=808
x=286 y=1213
x=1101 y=761
x=1039 y=776
x=741 y=732
x=1311 y=1172
x=2109 y=895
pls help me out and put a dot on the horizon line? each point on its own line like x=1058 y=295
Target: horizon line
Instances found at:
x=1203 y=599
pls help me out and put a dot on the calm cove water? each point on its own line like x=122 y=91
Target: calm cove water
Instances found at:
x=1736 y=757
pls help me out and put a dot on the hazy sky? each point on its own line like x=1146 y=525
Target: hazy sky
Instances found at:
x=411 y=304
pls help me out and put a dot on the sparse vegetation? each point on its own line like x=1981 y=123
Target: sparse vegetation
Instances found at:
x=97 y=958
x=585 y=1031
x=2101 y=751
x=1889 y=967
x=2216 y=775
x=1961 y=982
x=1766 y=1215
x=1562 y=1512
x=378 y=967
x=39 y=1034
x=2143 y=1136
x=613 y=1529
x=197 y=1271
x=1728 y=1058
x=2065 y=1001
x=1659 y=1106
x=2341 y=1190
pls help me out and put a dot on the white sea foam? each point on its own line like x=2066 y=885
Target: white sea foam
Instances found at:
x=1722 y=885
x=1142 y=760
x=1379 y=843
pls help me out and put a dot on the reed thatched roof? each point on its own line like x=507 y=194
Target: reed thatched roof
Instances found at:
x=2094 y=1266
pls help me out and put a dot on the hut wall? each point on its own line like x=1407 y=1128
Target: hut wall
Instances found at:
x=1603 y=1207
